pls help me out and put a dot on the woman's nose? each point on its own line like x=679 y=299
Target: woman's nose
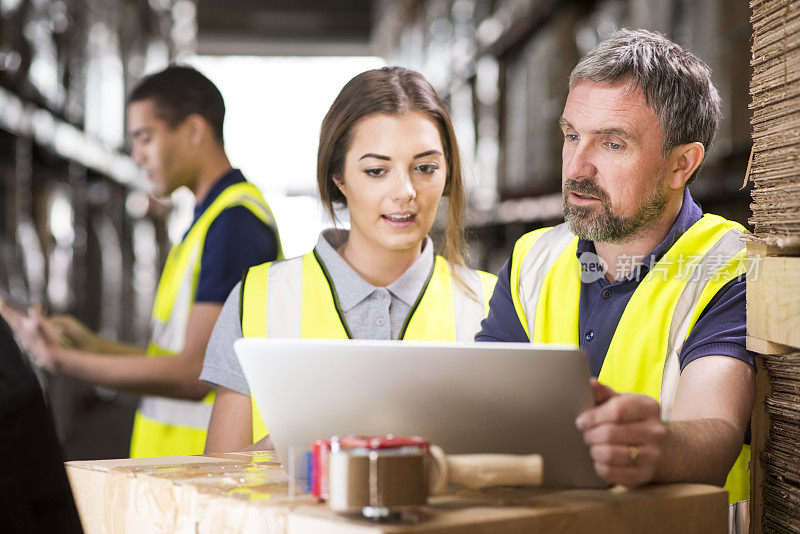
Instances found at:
x=404 y=188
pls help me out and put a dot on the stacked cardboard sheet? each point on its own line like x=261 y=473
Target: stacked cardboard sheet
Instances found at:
x=775 y=89
x=781 y=457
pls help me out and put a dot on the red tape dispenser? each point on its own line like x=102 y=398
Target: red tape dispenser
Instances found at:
x=378 y=476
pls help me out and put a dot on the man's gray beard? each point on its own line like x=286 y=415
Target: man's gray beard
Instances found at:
x=610 y=228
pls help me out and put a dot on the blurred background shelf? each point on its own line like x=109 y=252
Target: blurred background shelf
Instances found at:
x=78 y=233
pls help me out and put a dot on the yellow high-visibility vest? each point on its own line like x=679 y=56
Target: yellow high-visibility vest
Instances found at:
x=164 y=426
x=643 y=354
x=296 y=298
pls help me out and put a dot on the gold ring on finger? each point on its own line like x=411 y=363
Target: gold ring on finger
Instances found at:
x=633 y=451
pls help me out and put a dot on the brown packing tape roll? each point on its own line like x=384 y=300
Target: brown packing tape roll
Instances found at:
x=397 y=480
x=377 y=479
x=348 y=482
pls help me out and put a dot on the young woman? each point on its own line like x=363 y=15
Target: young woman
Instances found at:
x=388 y=153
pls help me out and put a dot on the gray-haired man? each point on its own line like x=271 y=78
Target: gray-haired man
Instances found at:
x=663 y=323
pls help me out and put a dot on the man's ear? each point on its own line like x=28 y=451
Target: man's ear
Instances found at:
x=683 y=162
x=199 y=129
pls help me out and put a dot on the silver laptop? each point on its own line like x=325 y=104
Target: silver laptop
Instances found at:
x=513 y=398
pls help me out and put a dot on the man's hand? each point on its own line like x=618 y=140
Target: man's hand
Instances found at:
x=41 y=338
x=11 y=314
x=625 y=436
x=75 y=334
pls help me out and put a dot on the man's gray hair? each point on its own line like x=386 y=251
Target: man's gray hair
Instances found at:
x=676 y=85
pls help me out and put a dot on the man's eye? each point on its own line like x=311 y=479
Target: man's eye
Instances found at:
x=374 y=172
x=614 y=146
x=571 y=137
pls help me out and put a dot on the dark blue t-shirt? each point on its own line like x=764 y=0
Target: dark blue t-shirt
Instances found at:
x=721 y=328
x=235 y=241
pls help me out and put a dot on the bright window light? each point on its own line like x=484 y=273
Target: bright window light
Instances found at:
x=274 y=108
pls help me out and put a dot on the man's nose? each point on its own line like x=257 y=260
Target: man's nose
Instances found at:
x=578 y=162
x=137 y=154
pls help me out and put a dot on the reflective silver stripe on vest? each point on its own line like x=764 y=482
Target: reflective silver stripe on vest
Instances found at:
x=704 y=270
x=253 y=203
x=739 y=517
x=284 y=298
x=188 y=413
x=536 y=264
x=468 y=312
x=171 y=335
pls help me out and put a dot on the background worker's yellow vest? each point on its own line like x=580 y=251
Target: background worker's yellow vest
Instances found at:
x=165 y=426
x=296 y=299
x=643 y=354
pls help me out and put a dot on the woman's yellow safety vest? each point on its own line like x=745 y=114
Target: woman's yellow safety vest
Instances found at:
x=165 y=426
x=643 y=354
x=296 y=298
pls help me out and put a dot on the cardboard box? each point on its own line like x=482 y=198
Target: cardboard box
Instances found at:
x=249 y=492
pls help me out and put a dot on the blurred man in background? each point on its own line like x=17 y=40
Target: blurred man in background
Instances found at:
x=175 y=121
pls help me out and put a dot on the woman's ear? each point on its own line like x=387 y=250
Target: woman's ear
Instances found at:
x=339 y=184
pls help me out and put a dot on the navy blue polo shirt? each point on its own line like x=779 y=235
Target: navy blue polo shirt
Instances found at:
x=720 y=330
x=235 y=241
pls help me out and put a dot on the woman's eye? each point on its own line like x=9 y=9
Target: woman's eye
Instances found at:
x=374 y=172
x=427 y=168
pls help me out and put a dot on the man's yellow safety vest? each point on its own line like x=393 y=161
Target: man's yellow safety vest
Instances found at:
x=164 y=426
x=296 y=298
x=643 y=354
